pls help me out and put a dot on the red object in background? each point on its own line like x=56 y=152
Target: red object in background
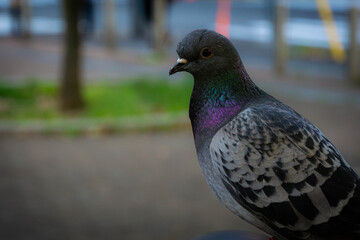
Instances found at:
x=223 y=15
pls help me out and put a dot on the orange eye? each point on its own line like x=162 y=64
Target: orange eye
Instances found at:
x=206 y=53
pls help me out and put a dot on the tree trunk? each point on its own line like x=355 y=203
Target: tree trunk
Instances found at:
x=281 y=49
x=26 y=18
x=110 y=24
x=70 y=94
x=160 y=11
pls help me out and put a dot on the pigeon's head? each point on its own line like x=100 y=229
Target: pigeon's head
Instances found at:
x=205 y=53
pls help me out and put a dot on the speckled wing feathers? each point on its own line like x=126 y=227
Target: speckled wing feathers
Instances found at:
x=281 y=168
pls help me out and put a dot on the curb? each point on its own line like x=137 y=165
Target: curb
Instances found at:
x=164 y=121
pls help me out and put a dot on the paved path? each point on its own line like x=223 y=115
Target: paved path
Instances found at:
x=146 y=186
x=142 y=186
x=40 y=58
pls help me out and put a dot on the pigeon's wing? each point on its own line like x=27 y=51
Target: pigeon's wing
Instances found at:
x=281 y=168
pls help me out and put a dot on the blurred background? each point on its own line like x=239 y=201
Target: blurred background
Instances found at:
x=95 y=141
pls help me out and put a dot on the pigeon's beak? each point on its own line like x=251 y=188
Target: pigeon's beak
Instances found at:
x=179 y=66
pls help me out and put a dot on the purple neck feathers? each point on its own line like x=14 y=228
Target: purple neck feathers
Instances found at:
x=211 y=116
x=216 y=100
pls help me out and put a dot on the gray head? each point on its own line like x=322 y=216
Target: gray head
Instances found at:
x=221 y=87
x=205 y=52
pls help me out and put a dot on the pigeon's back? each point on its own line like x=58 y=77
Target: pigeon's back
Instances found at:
x=282 y=169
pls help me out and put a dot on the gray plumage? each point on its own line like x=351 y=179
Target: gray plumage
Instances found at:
x=265 y=162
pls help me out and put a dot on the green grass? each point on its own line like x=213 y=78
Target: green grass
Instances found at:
x=39 y=100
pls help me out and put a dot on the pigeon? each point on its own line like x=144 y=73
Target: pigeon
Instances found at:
x=266 y=163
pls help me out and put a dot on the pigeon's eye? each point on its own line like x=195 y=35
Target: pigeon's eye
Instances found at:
x=206 y=53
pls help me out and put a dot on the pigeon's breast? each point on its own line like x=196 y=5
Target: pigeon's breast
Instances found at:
x=214 y=180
